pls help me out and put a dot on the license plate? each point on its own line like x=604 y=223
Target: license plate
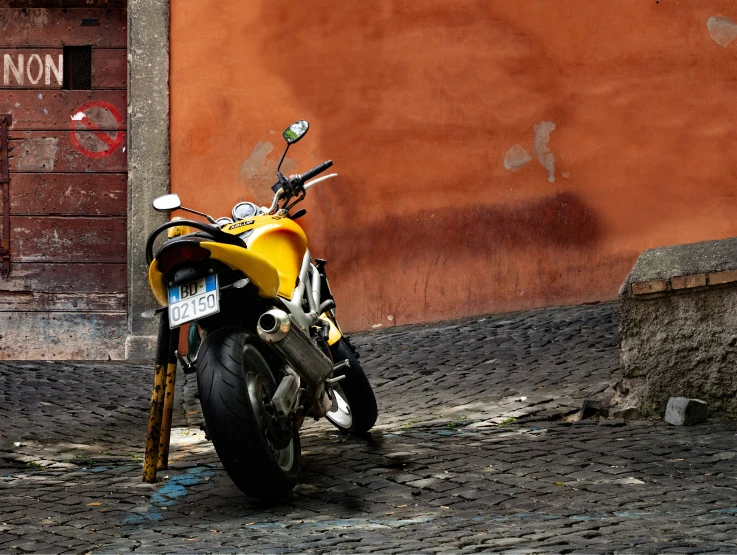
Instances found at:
x=193 y=301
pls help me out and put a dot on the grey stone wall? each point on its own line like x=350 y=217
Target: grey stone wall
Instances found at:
x=148 y=157
x=678 y=329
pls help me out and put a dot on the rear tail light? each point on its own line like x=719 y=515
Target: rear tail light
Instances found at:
x=179 y=254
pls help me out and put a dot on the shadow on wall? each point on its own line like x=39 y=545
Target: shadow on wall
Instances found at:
x=554 y=222
x=451 y=262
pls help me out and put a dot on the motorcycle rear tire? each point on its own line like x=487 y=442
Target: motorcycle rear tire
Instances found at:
x=232 y=376
x=355 y=391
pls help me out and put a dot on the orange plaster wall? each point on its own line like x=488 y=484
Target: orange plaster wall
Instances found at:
x=418 y=102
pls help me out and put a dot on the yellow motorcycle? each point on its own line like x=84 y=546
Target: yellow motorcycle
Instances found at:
x=272 y=352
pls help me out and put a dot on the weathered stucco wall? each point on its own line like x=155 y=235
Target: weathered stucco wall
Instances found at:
x=625 y=110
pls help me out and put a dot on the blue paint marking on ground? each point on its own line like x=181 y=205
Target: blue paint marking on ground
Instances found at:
x=629 y=514
x=138 y=518
x=170 y=493
x=99 y=468
x=589 y=517
x=730 y=511
x=176 y=487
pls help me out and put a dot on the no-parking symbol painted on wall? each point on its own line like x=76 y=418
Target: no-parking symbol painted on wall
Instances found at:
x=97 y=129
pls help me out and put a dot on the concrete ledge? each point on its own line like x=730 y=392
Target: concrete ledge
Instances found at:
x=657 y=266
x=678 y=328
x=140 y=348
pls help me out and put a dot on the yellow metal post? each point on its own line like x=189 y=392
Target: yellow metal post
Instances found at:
x=171 y=376
x=156 y=412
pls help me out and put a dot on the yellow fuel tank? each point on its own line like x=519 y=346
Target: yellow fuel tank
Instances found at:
x=280 y=241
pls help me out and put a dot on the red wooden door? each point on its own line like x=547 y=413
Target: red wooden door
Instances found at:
x=63 y=80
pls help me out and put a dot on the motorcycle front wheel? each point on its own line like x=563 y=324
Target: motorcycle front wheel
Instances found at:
x=260 y=454
x=356 y=410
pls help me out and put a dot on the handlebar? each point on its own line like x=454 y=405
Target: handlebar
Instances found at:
x=309 y=174
x=299 y=180
x=314 y=182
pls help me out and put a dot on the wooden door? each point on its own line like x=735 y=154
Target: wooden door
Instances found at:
x=64 y=84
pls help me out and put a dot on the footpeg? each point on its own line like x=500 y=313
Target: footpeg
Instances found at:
x=343 y=364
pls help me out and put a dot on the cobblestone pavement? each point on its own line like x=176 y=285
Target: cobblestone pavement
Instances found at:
x=473 y=452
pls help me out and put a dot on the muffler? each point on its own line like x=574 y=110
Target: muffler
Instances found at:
x=277 y=328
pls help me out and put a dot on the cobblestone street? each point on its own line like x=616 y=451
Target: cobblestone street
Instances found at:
x=474 y=451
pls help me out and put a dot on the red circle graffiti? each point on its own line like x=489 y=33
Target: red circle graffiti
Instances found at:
x=112 y=143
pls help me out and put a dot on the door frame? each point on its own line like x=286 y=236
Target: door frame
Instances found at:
x=148 y=157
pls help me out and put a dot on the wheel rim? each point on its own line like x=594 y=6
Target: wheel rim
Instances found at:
x=261 y=387
x=341 y=416
x=285 y=457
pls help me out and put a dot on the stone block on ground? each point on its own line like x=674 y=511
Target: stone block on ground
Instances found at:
x=591 y=408
x=625 y=413
x=680 y=340
x=682 y=411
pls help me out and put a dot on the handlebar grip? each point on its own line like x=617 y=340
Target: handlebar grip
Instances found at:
x=309 y=174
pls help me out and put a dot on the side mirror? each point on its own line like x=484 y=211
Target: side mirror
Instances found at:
x=296 y=131
x=167 y=203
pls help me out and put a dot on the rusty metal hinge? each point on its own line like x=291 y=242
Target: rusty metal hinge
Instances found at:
x=6 y=120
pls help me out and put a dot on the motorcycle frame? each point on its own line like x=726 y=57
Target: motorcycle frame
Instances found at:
x=308 y=286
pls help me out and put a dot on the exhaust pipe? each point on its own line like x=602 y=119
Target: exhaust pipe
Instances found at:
x=278 y=329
